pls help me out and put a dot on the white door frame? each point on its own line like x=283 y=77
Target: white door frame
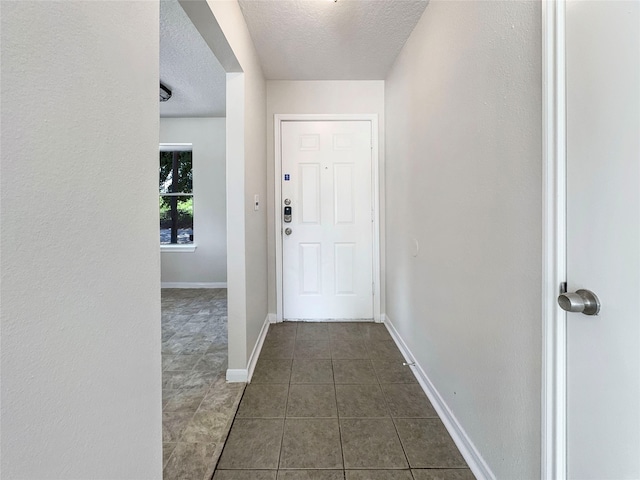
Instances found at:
x=554 y=341
x=375 y=175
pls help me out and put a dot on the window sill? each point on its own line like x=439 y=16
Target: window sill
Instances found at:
x=186 y=248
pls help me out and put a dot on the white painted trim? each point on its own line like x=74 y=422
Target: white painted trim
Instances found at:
x=193 y=285
x=237 y=375
x=468 y=450
x=178 y=248
x=176 y=147
x=272 y=318
x=377 y=179
x=554 y=368
x=257 y=348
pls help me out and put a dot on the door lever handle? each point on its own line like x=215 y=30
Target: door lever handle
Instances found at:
x=582 y=301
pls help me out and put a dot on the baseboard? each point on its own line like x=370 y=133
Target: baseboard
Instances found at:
x=237 y=375
x=468 y=450
x=243 y=375
x=193 y=285
x=253 y=359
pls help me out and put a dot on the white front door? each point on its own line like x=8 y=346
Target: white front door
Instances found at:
x=327 y=242
x=603 y=237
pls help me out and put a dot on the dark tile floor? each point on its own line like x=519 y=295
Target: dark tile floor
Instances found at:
x=333 y=401
x=198 y=404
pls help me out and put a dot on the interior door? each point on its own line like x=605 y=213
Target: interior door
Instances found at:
x=603 y=239
x=326 y=205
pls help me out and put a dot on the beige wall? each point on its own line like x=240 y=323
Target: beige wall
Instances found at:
x=208 y=264
x=463 y=106
x=80 y=263
x=338 y=97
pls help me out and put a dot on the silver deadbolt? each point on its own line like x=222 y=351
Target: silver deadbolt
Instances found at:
x=582 y=301
x=287 y=211
x=288 y=231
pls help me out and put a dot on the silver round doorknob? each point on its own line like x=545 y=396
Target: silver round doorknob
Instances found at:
x=582 y=301
x=288 y=231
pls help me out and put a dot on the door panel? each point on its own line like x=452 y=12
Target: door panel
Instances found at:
x=603 y=238
x=328 y=256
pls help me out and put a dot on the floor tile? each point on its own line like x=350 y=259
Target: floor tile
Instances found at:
x=211 y=362
x=196 y=347
x=384 y=349
x=167 y=450
x=276 y=347
x=371 y=444
x=310 y=475
x=222 y=396
x=347 y=330
x=311 y=443
x=377 y=331
x=168 y=395
x=309 y=370
x=252 y=444
x=428 y=444
x=245 y=475
x=173 y=424
x=408 y=400
x=179 y=362
x=378 y=475
x=443 y=474
x=187 y=399
x=282 y=329
x=189 y=461
x=344 y=348
x=272 y=370
x=264 y=401
x=177 y=380
x=392 y=371
x=360 y=401
x=222 y=348
x=206 y=427
x=312 y=349
x=191 y=327
x=310 y=331
x=353 y=371
x=311 y=401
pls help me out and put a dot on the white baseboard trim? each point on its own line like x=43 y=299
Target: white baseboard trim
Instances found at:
x=237 y=375
x=243 y=375
x=193 y=284
x=253 y=359
x=468 y=450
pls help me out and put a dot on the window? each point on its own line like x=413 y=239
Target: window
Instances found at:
x=176 y=194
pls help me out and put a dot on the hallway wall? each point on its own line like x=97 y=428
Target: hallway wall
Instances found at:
x=322 y=96
x=464 y=162
x=80 y=263
x=247 y=172
x=208 y=264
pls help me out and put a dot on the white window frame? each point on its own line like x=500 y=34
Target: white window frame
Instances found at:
x=178 y=248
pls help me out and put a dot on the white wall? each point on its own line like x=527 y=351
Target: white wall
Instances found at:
x=339 y=97
x=463 y=105
x=81 y=374
x=208 y=264
x=246 y=176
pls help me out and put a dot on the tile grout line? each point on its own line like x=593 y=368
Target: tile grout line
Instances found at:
x=335 y=393
x=286 y=401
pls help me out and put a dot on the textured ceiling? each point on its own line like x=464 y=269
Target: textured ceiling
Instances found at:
x=327 y=40
x=188 y=67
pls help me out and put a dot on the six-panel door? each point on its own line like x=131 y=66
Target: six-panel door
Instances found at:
x=328 y=256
